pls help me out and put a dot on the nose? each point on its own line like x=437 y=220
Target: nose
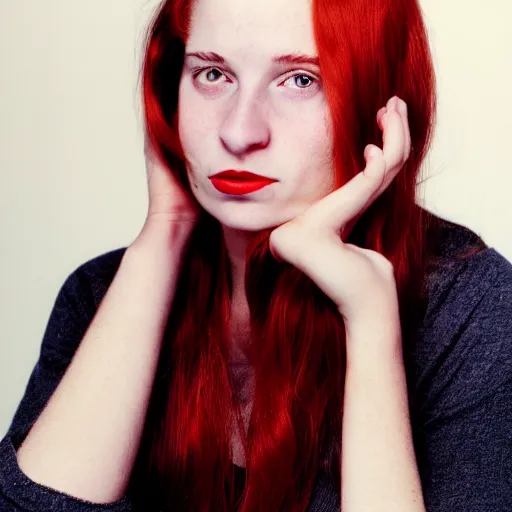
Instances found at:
x=245 y=128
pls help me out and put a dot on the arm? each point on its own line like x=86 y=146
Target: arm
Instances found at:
x=361 y=283
x=85 y=440
x=462 y=436
x=72 y=312
x=379 y=471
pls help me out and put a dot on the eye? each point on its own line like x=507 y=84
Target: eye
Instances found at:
x=306 y=81
x=209 y=73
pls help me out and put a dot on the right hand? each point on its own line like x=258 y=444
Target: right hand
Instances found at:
x=171 y=208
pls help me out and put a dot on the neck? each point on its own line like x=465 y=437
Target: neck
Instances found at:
x=236 y=245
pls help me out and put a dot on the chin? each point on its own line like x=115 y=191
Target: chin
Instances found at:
x=241 y=219
x=250 y=225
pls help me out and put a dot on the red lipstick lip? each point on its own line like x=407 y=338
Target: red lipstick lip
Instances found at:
x=231 y=174
x=238 y=187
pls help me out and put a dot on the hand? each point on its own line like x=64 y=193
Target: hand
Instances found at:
x=169 y=202
x=359 y=281
x=172 y=211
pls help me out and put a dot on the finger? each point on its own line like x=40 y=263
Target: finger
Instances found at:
x=393 y=137
x=353 y=198
x=395 y=153
x=371 y=153
x=403 y=110
x=340 y=206
x=385 y=175
x=349 y=201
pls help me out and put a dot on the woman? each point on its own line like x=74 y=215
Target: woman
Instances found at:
x=299 y=336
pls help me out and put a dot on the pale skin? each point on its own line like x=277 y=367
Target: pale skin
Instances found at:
x=246 y=112
x=379 y=470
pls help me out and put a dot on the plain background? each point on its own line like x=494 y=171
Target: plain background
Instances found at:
x=72 y=179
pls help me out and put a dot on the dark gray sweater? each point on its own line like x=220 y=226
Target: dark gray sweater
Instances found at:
x=462 y=385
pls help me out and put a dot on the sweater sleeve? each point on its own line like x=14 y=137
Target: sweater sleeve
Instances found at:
x=465 y=442
x=73 y=310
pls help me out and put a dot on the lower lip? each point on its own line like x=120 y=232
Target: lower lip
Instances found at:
x=238 y=187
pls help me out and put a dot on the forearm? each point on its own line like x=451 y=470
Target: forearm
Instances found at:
x=379 y=470
x=85 y=440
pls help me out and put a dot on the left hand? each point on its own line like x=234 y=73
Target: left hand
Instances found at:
x=360 y=281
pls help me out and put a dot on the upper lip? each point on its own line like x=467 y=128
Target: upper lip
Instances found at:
x=241 y=175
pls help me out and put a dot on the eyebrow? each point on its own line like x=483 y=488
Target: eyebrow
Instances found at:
x=289 y=58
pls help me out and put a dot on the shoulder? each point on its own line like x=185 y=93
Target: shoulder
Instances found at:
x=462 y=269
x=464 y=348
x=74 y=307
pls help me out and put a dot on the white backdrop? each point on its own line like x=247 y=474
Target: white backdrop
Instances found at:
x=72 y=180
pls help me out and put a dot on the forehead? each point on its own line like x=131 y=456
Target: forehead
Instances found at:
x=259 y=27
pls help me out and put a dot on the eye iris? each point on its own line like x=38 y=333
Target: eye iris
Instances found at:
x=301 y=77
x=213 y=70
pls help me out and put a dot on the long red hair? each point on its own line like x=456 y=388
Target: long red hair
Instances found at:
x=369 y=51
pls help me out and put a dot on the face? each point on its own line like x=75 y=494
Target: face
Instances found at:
x=254 y=112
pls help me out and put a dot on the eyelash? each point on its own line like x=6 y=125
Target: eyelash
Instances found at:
x=197 y=71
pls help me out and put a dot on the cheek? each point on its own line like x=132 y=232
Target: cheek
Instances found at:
x=192 y=122
x=316 y=144
x=188 y=131
x=312 y=130
x=193 y=130
x=314 y=158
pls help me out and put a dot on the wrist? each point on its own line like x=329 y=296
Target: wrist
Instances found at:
x=164 y=234
x=163 y=237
